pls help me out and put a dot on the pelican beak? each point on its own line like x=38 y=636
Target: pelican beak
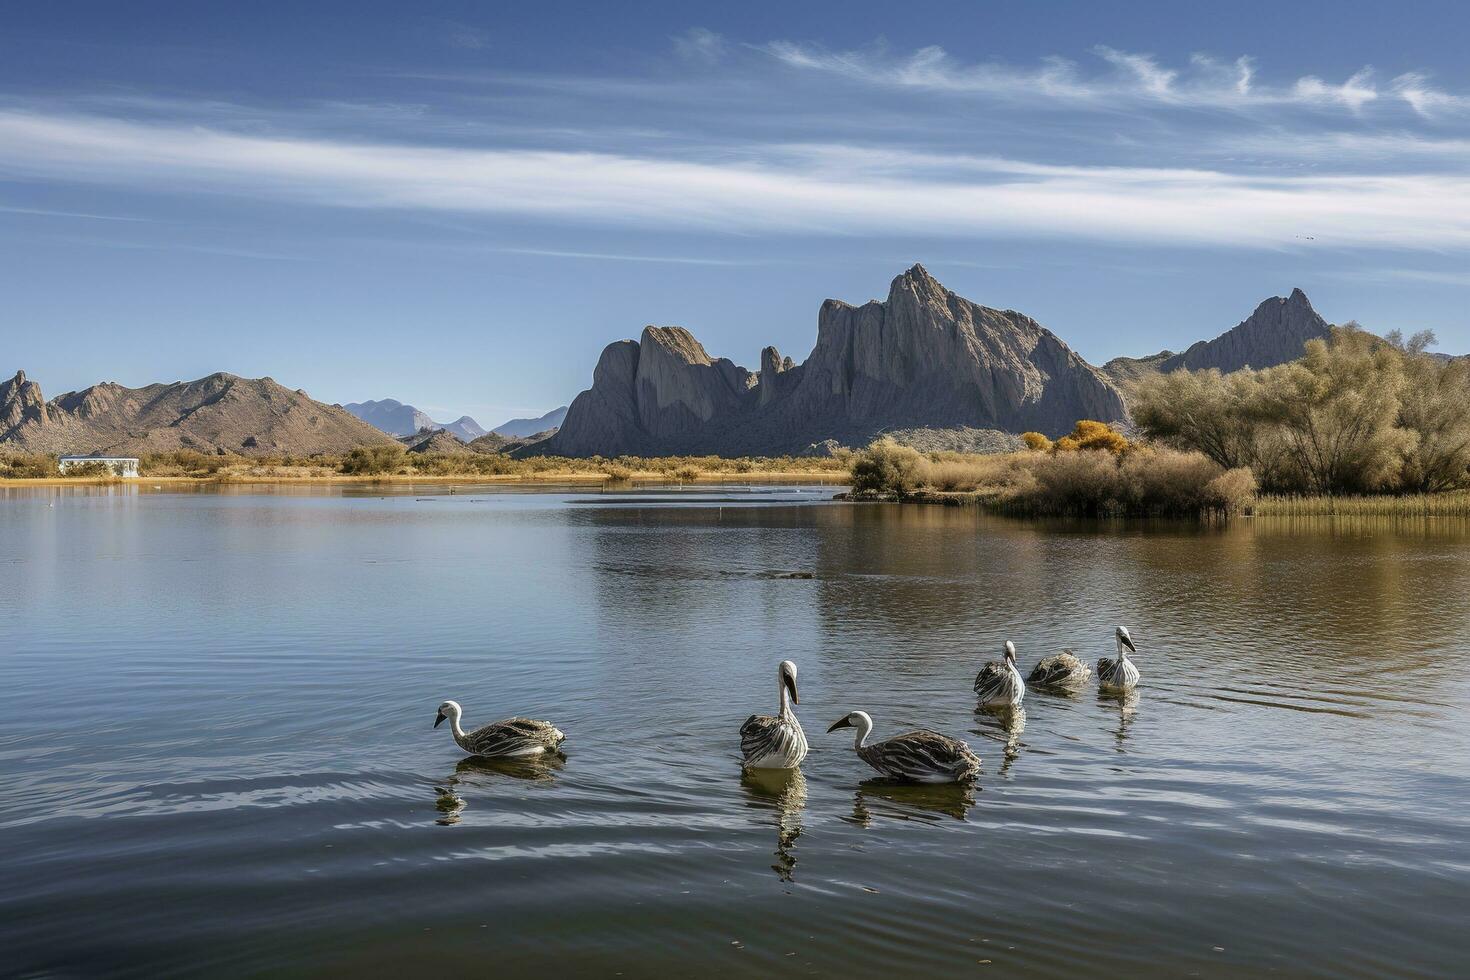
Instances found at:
x=842 y=722
x=791 y=686
x=438 y=718
x=1128 y=642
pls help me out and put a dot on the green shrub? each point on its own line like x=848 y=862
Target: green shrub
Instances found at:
x=887 y=467
x=367 y=460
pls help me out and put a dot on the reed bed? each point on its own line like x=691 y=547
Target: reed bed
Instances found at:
x=1453 y=504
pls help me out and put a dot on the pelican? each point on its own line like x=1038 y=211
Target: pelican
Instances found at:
x=775 y=742
x=1118 y=676
x=999 y=682
x=919 y=757
x=1059 y=670
x=508 y=739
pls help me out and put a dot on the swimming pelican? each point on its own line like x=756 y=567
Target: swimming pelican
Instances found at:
x=999 y=682
x=920 y=757
x=1118 y=675
x=1059 y=670
x=775 y=742
x=511 y=738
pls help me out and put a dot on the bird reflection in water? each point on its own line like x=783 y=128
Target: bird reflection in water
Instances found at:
x=1003 y=724
x=1126 y=704
x=911 y=801
x=782 y=791
x=474 y=772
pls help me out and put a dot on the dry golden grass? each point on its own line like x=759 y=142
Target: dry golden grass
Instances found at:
x=1080 y=482
x=1453 y=504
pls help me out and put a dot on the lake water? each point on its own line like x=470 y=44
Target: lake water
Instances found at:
x=217 y=754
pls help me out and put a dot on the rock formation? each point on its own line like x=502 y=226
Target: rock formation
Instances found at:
x=1275 y=333
x=20 y=402
x=250 y=416
x=924 y=358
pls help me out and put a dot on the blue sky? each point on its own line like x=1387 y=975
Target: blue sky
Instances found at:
x=459 y=204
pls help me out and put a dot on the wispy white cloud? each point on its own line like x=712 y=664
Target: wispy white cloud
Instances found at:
x=700 y=44
x=1433 y=276
x=52 y=213
x=554 y=253
x=1414 y=88
x=1205 y=82
x=770 y=188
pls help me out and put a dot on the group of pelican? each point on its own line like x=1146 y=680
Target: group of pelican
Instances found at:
x=778 y=742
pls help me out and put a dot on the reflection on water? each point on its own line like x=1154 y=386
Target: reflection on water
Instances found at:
x=474 y=773
x=910 y=801
x=215 y=751
x=783 y=793
x=1003 y=723
x=1124 y=704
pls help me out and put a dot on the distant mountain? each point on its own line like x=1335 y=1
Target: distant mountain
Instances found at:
x=521 y=428
x=924 y=358
x=391 y=416
x=222 y=412
x=430 y=440
x=398 y=419
x=463 y=427
x=1275 y=333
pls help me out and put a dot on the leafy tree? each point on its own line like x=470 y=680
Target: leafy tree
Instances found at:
x=1435 y=406
x=1336 y=411
x=1215 y=414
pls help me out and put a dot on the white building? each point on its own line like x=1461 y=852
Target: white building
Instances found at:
x=119 y=465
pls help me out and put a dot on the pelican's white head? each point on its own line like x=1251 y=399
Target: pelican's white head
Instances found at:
x=450 y=710
x=787 y=674
x=1124 y=640
x=1010 y=653
x=853 y=719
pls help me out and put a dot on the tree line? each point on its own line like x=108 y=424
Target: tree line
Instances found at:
x=1355 y=414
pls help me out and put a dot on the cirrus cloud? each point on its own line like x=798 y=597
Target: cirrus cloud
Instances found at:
x=812 y=189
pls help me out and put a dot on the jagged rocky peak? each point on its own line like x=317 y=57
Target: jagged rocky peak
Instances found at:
x=20 y=400
x=924 y=357
x=1275 y=333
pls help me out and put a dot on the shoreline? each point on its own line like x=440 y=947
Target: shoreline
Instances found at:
x=551 y=477
x=1452 y=504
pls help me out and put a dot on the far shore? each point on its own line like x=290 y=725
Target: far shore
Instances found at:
x=545 y=478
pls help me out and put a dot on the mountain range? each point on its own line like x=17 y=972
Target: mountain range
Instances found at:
x=398 y=419
x=924 y=364
x=218 y=413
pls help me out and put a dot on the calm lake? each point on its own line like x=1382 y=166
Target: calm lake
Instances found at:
x=216 y=751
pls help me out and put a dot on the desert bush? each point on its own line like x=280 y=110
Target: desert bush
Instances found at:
x=1036 y=442
x=616 y=472
x=184 y=462
x=1159 y=483
x=367 y=460
x=688 y=473
x=1089 y=434
x=33 y=466
x=887 y=467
